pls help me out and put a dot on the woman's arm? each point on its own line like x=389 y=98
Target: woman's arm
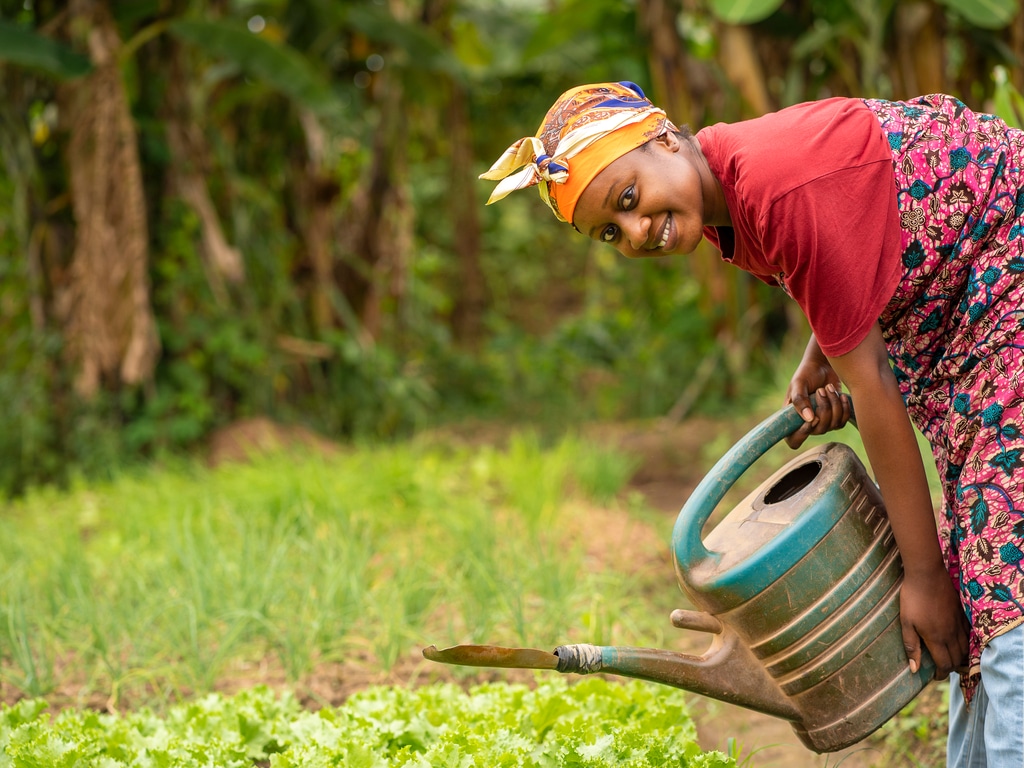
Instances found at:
x=929 y=604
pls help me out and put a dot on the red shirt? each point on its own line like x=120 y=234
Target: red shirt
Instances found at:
x=812 y=197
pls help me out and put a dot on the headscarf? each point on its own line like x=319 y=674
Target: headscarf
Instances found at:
x=588 y=128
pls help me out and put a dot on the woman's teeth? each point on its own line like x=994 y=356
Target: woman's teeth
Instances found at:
x=664 y=232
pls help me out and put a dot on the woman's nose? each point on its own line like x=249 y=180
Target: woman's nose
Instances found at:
x=637 y=230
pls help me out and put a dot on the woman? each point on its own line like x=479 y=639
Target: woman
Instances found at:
x=897 y=227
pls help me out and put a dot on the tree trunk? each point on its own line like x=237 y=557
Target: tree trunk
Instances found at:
x=470 y=285
x=110 y=330
x=919 y=49
x=471 y=294
x=317 y=192
x=666 y=57
x=188 y=171
x=742 y=65
x=378 y=228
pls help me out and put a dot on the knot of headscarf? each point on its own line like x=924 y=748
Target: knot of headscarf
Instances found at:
x=586 y=129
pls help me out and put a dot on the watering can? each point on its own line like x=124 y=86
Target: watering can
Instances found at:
x=798 y=588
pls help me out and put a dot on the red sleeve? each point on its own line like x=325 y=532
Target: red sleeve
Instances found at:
x=841 y=259
x=812 y=197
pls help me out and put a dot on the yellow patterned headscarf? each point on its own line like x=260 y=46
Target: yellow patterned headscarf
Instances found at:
x=587 y=128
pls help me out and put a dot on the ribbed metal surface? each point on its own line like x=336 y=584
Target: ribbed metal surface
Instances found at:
x=826 y=627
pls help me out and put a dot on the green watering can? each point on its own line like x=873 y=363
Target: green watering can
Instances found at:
x=798 y=588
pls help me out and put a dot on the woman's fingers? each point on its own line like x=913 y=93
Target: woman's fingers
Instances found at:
x=833 y=409
x=829 y=409
x=802 y=403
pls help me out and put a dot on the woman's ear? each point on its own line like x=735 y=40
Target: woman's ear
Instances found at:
x=669 y=140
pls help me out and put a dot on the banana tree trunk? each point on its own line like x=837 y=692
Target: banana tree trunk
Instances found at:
x=469 y=287
x=110 y=329
x=471 y=296
x=739 y=58
x=317 y=191
x=189 y=169
x=377 y=229
x=666 y=57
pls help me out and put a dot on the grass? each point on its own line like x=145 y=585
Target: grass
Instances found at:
x=917 y=737
x=162 y=583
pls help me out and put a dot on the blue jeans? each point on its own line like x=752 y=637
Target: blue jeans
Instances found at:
x=990 y=734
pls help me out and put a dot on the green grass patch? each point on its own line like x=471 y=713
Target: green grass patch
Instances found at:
x=161 y=584
x=917 y=736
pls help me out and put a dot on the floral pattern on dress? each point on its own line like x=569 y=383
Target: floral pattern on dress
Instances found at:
x=955 y=333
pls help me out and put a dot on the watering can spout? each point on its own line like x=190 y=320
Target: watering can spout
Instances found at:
x=727 y=671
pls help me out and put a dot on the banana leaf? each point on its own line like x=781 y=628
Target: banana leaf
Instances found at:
x=24 y=47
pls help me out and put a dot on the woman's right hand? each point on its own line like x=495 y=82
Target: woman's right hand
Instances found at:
x=831 y=409
x=931 y=615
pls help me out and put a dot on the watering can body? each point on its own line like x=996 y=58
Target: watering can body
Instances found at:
x=798 y=587
x=806 y=574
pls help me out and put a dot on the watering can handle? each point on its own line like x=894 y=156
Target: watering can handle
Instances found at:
x=686 y=536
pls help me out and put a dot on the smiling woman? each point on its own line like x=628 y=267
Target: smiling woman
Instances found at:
x=896 y=227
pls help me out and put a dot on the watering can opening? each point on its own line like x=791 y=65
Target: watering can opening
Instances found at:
x=793 y=482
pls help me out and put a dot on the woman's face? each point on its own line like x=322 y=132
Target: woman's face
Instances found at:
x=652 y=201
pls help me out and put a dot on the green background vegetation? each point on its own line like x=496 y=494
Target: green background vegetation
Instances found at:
x=258 y=207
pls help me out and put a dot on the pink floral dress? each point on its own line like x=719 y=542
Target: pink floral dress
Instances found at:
x=955 y=333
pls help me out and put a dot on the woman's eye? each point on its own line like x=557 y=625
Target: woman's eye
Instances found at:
x=608 y=233
x=628 y=198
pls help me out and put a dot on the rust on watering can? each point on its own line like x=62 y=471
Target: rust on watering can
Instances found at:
x=798 y=589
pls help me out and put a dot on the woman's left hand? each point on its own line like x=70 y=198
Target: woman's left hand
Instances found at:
x=830 y=408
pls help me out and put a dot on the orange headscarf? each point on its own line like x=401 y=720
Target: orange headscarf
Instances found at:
x=584 y=131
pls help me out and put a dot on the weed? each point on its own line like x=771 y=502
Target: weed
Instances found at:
x=917 y=735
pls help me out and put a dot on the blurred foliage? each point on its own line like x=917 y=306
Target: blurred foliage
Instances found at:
x=325 y=136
